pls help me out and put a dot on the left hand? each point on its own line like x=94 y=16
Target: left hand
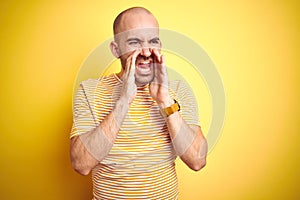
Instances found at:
x=159 y=88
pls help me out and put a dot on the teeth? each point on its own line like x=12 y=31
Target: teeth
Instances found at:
x=145 y=62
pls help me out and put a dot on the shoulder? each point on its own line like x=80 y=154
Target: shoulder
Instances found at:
x=183 y=93
x=99 y=87
x=110 y=80
x=89 y=83
x=85 y=90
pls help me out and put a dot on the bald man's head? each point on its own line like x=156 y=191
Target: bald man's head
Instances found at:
x=136 y=29
x=135 y=17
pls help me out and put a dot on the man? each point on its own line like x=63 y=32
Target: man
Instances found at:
x=130 y=127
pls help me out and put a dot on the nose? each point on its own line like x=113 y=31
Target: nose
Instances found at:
x=146 y=52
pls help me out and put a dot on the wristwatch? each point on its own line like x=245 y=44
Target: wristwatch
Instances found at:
x=166 y=112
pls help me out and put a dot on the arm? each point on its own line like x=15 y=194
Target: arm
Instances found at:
x=188 y=141
x=88 y=149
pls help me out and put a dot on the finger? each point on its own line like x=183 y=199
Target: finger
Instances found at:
x=131 y=65
x=126 y=71
x=134 y=56
x=128 y=63
x=127 y=67
x=157 y=55
x=163 y=64
x=163 y=59
x=133 y=60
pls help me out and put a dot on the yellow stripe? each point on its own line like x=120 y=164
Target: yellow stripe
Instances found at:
x=140 y=164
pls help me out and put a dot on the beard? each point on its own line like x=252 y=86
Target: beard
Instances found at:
x=144 y=74
x=144 y=69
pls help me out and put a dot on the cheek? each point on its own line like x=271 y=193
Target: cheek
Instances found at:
x=126 y=50
x=125 y=56
x=125 y=53
x=156 y=46
x=123 y=59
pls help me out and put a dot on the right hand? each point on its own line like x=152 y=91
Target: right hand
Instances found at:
x=129 y=87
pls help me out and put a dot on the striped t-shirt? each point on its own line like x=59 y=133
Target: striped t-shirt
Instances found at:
x=140 y=164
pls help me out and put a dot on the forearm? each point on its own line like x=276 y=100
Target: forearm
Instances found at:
x=188 y=141
x=90 y=148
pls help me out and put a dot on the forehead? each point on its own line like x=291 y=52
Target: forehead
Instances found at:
x=140 y=33
x=137 y=24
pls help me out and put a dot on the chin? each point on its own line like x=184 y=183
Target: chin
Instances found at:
x=143 y=80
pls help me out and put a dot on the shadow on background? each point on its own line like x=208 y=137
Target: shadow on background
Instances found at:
x=75 y=185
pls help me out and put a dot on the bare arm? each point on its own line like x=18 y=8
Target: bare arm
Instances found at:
x=83 y=151
x=88 y=149
x=188 y=141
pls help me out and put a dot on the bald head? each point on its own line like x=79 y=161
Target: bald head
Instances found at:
x=135 y=17
x=136 y=30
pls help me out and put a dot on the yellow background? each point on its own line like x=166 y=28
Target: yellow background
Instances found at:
x=254 y=44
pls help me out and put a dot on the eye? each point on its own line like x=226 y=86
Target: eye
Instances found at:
x=155 y=41
x=133 y=42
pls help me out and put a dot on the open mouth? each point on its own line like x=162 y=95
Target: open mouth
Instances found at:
x=144 y=67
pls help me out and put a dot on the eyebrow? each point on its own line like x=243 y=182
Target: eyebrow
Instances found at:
x=156 y=38
x=137 y=39
x=133 y=39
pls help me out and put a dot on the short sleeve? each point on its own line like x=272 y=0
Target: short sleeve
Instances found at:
x=83 y=119
x=187 y=101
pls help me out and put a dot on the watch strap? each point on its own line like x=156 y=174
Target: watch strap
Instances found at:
x=171 y=109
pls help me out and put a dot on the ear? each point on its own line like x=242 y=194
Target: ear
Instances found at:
x=115 y=49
